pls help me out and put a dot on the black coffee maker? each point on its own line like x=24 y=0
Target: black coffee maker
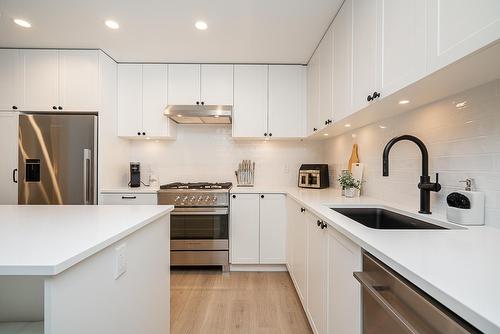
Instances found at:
x=135 y=175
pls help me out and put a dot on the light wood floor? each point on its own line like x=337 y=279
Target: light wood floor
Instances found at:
x=237 y=302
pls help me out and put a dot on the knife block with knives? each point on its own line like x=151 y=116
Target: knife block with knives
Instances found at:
x=245 y=173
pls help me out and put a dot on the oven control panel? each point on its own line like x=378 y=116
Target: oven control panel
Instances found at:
x=194 y=198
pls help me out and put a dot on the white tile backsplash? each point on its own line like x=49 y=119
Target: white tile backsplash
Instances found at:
x=463 y=142
x=209 y=153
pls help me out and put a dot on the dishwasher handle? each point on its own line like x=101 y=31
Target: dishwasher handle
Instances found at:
x=365 y=280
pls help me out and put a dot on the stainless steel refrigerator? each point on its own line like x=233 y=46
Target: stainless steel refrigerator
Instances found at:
x=57 y=159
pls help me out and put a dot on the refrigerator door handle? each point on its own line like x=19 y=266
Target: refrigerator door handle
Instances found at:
x=14 y=175
x=87 y=159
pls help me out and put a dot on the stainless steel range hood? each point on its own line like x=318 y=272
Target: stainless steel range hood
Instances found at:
x=200 y=114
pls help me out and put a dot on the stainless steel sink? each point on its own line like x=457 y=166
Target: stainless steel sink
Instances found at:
x=383 y=219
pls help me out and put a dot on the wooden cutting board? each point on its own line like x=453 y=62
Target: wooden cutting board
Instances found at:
x=354 y=157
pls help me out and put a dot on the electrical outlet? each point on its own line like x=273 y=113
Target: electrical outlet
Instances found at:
x=120 y=260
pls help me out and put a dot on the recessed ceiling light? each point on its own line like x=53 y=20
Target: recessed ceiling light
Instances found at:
x=179 y=115
x=216 y=116
x=347 y=125
x=461 y=105
x=201 y=25
x=404 y=101
x=22 y=23
x=382 y=126
x=325 y=134
x=112 y=24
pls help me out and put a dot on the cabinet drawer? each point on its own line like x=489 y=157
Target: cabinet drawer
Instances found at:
x=128 y=199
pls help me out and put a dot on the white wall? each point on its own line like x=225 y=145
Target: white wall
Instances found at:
x=463 y=142
x=113 y=151
x=208 y=153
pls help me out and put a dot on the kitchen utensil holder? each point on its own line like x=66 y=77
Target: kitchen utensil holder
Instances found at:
x=245 y=175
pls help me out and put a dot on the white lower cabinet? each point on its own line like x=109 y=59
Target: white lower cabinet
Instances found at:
x=129 y=198
x=258 y=228
x=317 y=271
x=321 y=262
x=8 y=168
x=344 y=292
x=272 y=214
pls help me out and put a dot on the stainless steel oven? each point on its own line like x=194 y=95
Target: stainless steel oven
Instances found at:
x=392 y=305
x=199 y=223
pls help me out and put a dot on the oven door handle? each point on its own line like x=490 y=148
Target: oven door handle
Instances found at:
x=199 y=212
x=365 y=281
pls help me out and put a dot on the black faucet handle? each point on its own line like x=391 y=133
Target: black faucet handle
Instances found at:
x=437 y=186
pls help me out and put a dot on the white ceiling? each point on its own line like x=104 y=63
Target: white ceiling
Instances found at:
x=275 y=31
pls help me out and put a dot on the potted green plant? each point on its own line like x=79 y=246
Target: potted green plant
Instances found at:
x=349 y=183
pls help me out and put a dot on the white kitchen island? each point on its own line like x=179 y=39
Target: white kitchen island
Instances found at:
x=85 y=269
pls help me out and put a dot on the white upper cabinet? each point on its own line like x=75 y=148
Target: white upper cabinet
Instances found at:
x=342 y=61
x=326 y=79
x=78 y=80
x=154 y=100
x=217 y=84
x=40 y=80
x=287 y=101
x=60 y=80
x=460 y=27
x=313 y=116
x=190 y=84
x=142 y=98
x=402 y=43
x=245 y=229
x=10 y=75
x=9 y=148
x=184 y=84
x=272 y=228
x=129 y=100
x=364 y=70
x=250 y=101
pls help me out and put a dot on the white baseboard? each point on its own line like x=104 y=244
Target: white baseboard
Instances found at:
x=258 y=267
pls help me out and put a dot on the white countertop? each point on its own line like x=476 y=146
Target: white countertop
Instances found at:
x=458 y=267
x=129 y=190
x=48 y=239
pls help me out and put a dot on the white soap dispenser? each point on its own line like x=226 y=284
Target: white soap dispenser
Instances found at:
x=466 y=207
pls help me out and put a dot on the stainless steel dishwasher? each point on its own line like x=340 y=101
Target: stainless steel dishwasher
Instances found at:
x=393 y=305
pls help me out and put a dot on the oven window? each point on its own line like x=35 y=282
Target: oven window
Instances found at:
x=199 y=227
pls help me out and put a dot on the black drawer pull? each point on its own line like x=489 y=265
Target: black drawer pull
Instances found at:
x=129 y=197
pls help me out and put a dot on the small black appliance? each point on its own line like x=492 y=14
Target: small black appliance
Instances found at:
x=135 y=174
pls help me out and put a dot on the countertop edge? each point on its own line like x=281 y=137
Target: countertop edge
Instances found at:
x=52 y=270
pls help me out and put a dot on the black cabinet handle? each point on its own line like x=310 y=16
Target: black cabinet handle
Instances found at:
x=138 y=133
x=369 y=98
x=315 y=129
x=234 y=196
x=202 y=102
x=265 y=134
x=129 y=197
x=54 y=107
x=323 y=225
x=329 y=121
x=375 y=95
x=60 y=108
x=14 y=107
x=270 y=134
x=319 y=222
x=302 y=210
x=144 y=133
x=14 y=175
x=197 y=102
x=261 y=196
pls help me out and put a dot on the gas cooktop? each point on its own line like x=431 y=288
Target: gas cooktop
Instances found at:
x=197 y=185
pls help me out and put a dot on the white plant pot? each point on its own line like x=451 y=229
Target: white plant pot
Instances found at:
x=350 y=192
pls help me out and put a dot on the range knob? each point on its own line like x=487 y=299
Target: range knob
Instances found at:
x=177 y=199
x=184 y=200
x=207 y=198
x=200 y=198
x=193 y=198
x=214 y=199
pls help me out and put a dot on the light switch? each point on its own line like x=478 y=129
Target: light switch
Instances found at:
x=120 y=260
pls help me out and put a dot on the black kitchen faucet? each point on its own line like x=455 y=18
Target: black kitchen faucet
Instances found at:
x=425 y=185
